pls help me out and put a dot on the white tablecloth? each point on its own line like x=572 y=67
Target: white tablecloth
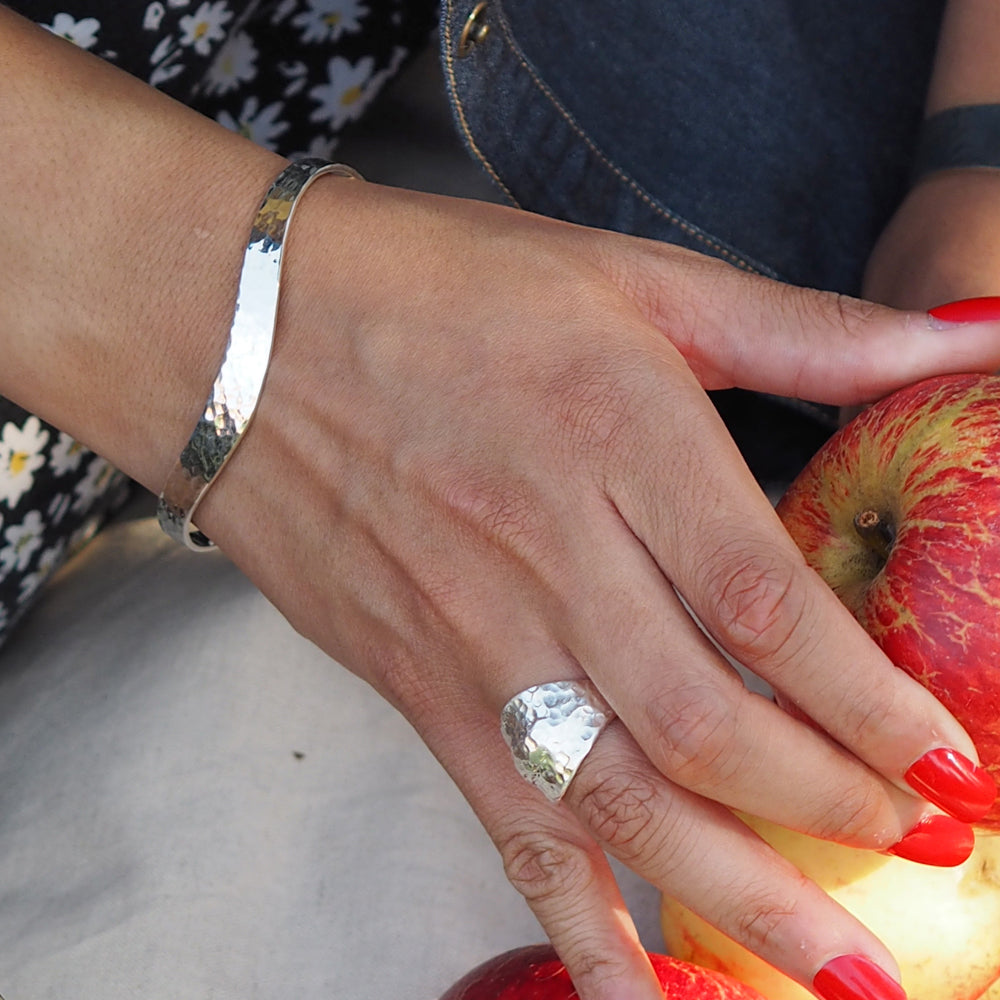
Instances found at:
x=195 y=802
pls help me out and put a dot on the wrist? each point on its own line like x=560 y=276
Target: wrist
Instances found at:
x=941 y=243
x=134 y=213
x=967 y=66
x=237 y=387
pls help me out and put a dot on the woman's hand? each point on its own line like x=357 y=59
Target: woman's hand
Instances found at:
x=484 y=459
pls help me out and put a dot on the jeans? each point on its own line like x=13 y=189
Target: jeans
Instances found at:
x=775 y=135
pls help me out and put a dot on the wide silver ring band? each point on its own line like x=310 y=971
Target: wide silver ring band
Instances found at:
x=238 y=385
x=550 y=728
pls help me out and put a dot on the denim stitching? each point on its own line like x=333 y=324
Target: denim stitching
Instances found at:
x=733 y=257
x=446 y=41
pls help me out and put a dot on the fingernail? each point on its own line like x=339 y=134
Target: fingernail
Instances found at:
x=937 y=840
x=854 y=977
x=953 y=783
x=983 y=309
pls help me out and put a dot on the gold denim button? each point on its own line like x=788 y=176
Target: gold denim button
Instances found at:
x=475 y=30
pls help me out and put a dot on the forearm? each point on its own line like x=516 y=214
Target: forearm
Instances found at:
x=967 y=67
x=126 y=216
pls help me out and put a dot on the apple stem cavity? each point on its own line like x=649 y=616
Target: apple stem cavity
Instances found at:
x=876 y=532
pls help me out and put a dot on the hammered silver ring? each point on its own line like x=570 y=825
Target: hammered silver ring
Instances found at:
x=550 y=728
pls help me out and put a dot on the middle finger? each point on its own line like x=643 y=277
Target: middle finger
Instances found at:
x=697 y=722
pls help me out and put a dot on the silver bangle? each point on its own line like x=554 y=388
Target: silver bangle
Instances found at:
x=238 y=385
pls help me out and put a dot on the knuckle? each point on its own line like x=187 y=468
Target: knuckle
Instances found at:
x=853 y=316
x=695 y=723
x=854 y=815
x=506 y=515
x=761 y=921
x=594 y=402
x=619 y=810
x=544 y=868
x=863 y=722
x=843 y=315
x=758 y=606
x=592 y=971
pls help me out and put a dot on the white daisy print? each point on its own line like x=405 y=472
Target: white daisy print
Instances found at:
x=82 y=32
x=23 y=540
x=296 y=73
x=49 y=561
x=165 y=58
x=67 y=453
x=99 y=478
x=59 y=507
x=204 y=26
x=327 y=20
x=234 y=63
x=20 y=457
x=283 y=10
x=260 y=125
x=321 y=146
x=383 y=76
x=346 y=94
x=83 y=534
x=153 y=17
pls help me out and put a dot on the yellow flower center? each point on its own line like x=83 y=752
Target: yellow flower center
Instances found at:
x=332 y=20
x=18 y=461
x=201 y=30
x=350 y=96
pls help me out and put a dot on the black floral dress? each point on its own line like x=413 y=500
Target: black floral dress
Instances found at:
x=289 y=74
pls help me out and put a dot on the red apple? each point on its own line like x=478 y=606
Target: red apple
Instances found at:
x=899 y=512
x=535 y=973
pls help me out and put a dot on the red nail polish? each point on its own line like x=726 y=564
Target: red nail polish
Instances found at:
x=953 y=783
x=854 y=977
x=937 y=840
x=984 y=309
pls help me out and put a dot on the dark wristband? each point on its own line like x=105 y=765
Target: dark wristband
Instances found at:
x=959 y=138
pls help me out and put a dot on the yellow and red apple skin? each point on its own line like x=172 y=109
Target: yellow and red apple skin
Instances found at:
x=926 y=460
x=941 y=924
x=534 y=972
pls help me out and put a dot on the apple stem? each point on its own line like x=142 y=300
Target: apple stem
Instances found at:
x=875 y=532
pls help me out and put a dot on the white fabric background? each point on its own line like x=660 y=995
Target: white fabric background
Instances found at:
x=196 y=802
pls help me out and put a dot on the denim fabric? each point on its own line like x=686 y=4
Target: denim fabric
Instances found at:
x=776 y=135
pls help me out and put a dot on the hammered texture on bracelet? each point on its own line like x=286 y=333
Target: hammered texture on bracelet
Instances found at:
x=550 y=728
x=238 y=385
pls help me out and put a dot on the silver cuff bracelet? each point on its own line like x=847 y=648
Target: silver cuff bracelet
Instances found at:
x=238 y=385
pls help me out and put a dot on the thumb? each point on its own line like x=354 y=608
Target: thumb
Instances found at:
x=739 y=329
